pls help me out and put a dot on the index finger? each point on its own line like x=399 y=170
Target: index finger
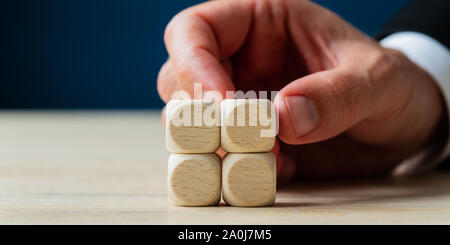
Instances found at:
x=200 y=39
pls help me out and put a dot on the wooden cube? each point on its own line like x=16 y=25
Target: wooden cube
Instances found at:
x=192 y=126
x=247 y=125
x=194 y=179
x=249 y=179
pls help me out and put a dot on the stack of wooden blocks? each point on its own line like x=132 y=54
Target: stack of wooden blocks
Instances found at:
x=244 y=128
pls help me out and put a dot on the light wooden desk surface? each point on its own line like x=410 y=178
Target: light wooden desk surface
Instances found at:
x=110 y=168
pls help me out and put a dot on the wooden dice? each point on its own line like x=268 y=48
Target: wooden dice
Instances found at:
x=249 y=180
x=192 y=126
x=245 y=128
x=247 y=125
x=194 y=179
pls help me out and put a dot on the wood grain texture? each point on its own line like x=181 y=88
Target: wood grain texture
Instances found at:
x=192 y=126
x=111 y=168
x=243 y=121
x=249 y=179
x=194 y=179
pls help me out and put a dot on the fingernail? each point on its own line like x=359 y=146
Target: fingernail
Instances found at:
x=303 y=114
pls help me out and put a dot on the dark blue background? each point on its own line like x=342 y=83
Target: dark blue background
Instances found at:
x=106 y=53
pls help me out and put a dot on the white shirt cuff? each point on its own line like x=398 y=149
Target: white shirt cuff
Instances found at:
x=434 y=58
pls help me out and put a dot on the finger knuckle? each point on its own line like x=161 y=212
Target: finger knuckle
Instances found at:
x=176 y=21
x=163 y=81
x=159 y=82
x=345 y=93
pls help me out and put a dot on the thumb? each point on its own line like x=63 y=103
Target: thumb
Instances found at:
x=323 y=105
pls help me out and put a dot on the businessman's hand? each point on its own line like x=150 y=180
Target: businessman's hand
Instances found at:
x=348 y=107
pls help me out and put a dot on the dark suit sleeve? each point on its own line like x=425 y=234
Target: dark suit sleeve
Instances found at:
x=430 y=17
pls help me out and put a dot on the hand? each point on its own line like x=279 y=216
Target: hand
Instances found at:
x=347 y=106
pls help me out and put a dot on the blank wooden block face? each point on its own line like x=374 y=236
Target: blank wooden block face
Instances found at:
x=249 y=180
x=194 y=179
x=192 y=126
x=248 y=125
